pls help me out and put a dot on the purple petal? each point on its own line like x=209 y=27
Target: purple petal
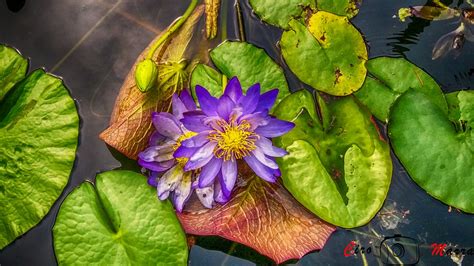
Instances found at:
x=167 y=125
x=196 y=141
x=261 y=170
x=233 y=89
x=153 y=179
x=156 y=138
x=225 y=107
x=275 y=128
x=218 y=194
x=206 y=196
x=188 y=100
x=169 y=181
x=194 y=121
x=156 y=153
x=229 y=176
x=178 y=106
x=201 y=157
x=267 y=100
x=250 y=101
x=258 y=153
x=267 y=147
x=182 y=192
x=183 y=151
x=207 y=102
x=156 y=166
x=256 y=119
x=209 y=172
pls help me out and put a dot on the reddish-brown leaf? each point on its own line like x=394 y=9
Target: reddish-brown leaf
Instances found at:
x=263 y=216
x=130 y=125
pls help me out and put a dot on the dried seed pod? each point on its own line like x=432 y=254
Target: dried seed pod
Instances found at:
x=212 y=14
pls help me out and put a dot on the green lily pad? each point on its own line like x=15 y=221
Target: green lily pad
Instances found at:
x=39 y=128
x=13 y=68
x=389 y=78
x=339 y=169
x=279 y=13
x=208 y=78
x=349 y=8
x=120 y=221
x=251 y=65
x=437 y=152
x=320 y=57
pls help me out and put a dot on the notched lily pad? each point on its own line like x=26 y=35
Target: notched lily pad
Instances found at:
x=119 y=221
x=39 y=128
x=13 y=68
x=339 y=169
x=279 y=13
x=390 y=77
x=320 y=56
x=251 y=64
x=437 y=149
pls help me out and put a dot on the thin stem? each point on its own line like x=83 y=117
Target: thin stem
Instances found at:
x=240 y=21
x=173 y=28
x=223 y=20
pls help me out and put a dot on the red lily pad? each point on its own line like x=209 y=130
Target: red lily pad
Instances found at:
x=263 y=216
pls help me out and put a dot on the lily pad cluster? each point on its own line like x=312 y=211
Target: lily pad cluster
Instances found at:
x=39 y=128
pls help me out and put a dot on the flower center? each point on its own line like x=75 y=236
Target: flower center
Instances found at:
x=235 y=140
x=183 y=160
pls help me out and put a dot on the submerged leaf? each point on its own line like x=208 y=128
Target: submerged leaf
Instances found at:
x=279 y=13
x=39 y=128
x=437 y=152
x=263 y=216
x=339 y=170
x=118 y=222
x=389 y=78
x=349 y=8
x=13 y=68
x=251 y=65
x=320 y=55
x=130 y=125
x=428 y=12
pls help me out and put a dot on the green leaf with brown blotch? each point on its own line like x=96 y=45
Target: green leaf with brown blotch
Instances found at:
x=319 y=55
x=130 y=126
x=279 y=13
x=263 y=216
x=349 y=8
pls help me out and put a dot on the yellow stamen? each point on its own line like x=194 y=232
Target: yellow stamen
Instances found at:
x=183 y=160
x=235 y=140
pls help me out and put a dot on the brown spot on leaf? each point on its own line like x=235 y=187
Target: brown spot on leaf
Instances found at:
x=337 y=74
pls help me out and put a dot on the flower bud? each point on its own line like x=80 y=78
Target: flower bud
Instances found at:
x=146 y=74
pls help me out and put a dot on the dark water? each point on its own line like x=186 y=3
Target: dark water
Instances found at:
x=93 y=44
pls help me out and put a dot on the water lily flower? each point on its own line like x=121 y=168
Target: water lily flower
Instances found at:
x=166 y=171
x=231 y=128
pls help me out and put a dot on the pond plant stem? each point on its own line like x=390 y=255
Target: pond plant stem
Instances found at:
x=240 y=21
x=179 y=22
